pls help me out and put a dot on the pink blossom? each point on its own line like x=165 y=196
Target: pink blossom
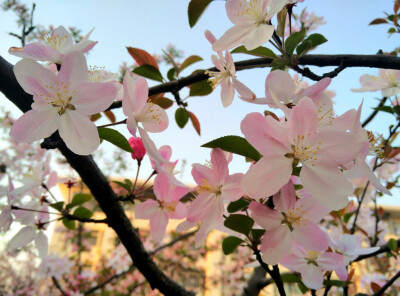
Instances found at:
x=286 y=144
x=226 y=77
x=6 y=217
x=166 y=206
x=53 y=48
x=250 y=21
x=62 y=102
x=388 y=82
x=138 y=148
x=312 y=264
x=215 y=186
x=293 y=220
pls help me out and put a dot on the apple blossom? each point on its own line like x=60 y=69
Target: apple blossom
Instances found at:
x=286 y=144
x=293 y=220
x=388 y=82
x=311 y=264
x=166 y=206
x=54 y=47
x=251 y=23
x=215 y=186
x=62 y=102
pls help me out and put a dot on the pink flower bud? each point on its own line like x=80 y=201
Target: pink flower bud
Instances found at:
x=138 y=148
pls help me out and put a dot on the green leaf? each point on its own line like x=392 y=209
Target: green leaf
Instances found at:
x=189 y=61
x=70 y=224
x=196 y=9
x=256 y=234
x=239 y=223
x=316 y=39
x=304 y=47
x=238 y=205
x=335 y=283
x=384 y=109
x=82 y=212
x=392 y=244
x=235 y=144
x=392 y=30
x=114 y=137
x=123 y=185
x=397 y=109
x=148 y=72
x=78 y=199
x=279 y=64
x=201 y=88
x=303 y=289
x=298 y=186
x=290 y=278
x=230 y=243
x=57 y=205
x=347 y=217
x=296 y=171
x=171 y=74
x=259 y=51
x=163 y=102
x=181 y=117
x=294 y=40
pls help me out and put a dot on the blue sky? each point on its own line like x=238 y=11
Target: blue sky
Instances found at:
x=151 y=25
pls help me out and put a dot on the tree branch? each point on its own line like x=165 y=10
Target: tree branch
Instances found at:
x=387 y=285
x=342 y=61
x=101 y=190
x=382 y=249
x=58 y=286
x=85 y=220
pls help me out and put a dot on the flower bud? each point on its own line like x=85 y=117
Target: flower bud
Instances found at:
x=138 y=148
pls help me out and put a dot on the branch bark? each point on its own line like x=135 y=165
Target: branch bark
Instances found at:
x=101 y=190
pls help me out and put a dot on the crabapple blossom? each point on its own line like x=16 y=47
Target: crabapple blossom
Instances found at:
x=54 y=47
x=293 y=220
x=62 y=102
x=388 y=82
x=311 y=264
x=54 y=266
x=251 y=23
x=286 y=144
x=166 y=206
x=226 y=77
x=214 y=186
x=28 y=234
x=6 y=217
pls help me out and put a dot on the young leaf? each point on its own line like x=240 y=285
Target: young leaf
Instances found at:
x=181 y=117
x=123 y=185
x=82 y=212
x=70 y=224
x=163 y=102
x=230 y=243
x=234 y=144
x=259 y=51
x=110 y=115
x=57 y=205
x=378 y=21
x=387 y=109
x=78 y=199
x=142 y=57
x=94 y=117
x=196 y=9
x=335 y=283
x=303 y=289
x=256 y=234
x=171 y=74
x=195 y=122
x=149 y=72
x=316 y=39
x=293 y=40
x=115 y=137
x=239 y=223
x=201 y=88
x=189 y=61
x=392 y=244
x=290 y=278
x=304 y=47
x=238 y=205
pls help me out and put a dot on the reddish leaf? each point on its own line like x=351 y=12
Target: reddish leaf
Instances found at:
x=380 y=212
x=351 y=274
x=94 y=117
x=195 y=122
x=393 y=153
x=142 y=57
x=378 y=21
x=375 y=287
x=396 y=6
x=110 y=115
x=163 y=102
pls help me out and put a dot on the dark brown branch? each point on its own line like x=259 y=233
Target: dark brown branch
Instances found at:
x=382 y=249
x=173 y=242
x=85 y=220
x=58 y=286
x=101 y=190
x=342 y=61
x=373 y=114
x=387 y=285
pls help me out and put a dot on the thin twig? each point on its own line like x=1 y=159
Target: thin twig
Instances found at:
x=373 y=114
x=84 y=220
x=58 y=286
x=383 y=249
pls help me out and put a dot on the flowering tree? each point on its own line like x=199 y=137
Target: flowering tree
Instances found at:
x=290 y=207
